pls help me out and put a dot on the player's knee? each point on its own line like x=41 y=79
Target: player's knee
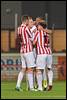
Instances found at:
x=38 y=71
x=49 y=69
x=23 y=70
x=29 y=70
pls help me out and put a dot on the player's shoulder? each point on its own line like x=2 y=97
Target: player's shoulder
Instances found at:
x=47 y=33
x=37 y=33
x=27 y=29
x=20 y=27
x=33 y=28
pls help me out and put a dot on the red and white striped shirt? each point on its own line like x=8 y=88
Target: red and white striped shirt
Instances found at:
x=26 y=45
x=39 y=40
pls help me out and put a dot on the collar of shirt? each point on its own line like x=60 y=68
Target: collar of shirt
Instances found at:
x=23 y=25
x=33 y=28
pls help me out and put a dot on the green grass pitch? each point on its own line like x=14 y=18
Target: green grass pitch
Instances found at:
x=8 y=91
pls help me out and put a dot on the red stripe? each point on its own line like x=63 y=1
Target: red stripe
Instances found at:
x=29 y=30
x=49 y=50
x=35 y=36
x=46 y=50
x=40 y=38
x=18 y=30
x=39 y=48
x=30 y=48
x=21 y=31
x=25 y=38
x=29 y=33
x=43 y=50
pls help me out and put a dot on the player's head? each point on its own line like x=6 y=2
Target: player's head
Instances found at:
x=39 y=19
x=41 y=25
x=25 y=19
x=30 y=24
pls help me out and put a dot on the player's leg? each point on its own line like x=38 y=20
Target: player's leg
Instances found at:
x=50 y=72
x=35 y=79
x=21 y=73
x=34 y=74
x=44 y=82
x=39 y=79
x=30 y=78
x=40 y=66
x=30 y=61
x=19 y=80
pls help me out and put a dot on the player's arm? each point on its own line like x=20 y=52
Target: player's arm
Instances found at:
x=35 y=38
x=47 y=30
x=28 y=32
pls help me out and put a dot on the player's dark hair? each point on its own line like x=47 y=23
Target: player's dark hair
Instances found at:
x=24 y=18
x=43 y=24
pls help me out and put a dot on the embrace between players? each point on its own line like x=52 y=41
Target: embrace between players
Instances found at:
x=35 y=54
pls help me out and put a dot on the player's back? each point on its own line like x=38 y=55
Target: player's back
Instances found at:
x=26 y=45
x=41 y=41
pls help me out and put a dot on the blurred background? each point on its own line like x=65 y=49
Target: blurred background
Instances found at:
x=54 y=12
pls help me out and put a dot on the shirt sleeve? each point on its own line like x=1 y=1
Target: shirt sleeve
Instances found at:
x=35 y=38
x=29 y=32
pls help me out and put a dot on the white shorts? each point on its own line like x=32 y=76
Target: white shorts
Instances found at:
x=34 y=52
x=28 y=60
x=43 y=60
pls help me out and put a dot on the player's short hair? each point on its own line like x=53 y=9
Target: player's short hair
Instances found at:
x=40 y=19
x=29 y=17
x=43 y=24
x=24 y=18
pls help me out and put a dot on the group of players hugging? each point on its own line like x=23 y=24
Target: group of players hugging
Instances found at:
x=36 y=55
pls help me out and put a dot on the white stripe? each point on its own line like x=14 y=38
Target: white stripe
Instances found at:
x=36 y=36
x=42 y=38
x=50 y=50
x=28 y=42
x=39 y=39
x=39 y=43
x=29 y=33
x=23 y=35
x=44 y=50
x=47 y=50
x=30 y=47
x=38 y=49
x=18 y=30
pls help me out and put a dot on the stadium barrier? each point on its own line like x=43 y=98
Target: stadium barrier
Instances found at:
x=11 y=65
